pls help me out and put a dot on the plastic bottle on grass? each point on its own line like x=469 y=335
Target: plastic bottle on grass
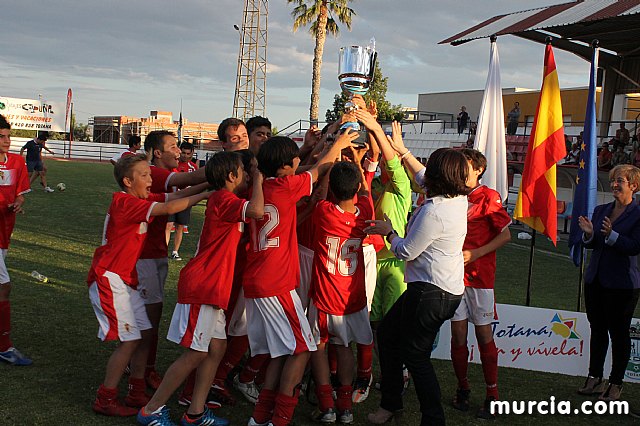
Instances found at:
x=38 y=276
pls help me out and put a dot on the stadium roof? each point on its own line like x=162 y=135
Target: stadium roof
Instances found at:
x=573 y=26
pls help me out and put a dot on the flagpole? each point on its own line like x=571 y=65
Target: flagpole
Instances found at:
x=581 y=276
x=531 y=252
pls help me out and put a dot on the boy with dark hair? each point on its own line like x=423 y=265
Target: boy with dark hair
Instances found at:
x=162 y=150
x=181 y=219
x=113 y=281
x=487 y=230
x=204 y=288
x=275 y=318
x=35 y=163
x=259 y=130
x=233 y=135
x=338 y=313
x=134 y=142
x=14 y=183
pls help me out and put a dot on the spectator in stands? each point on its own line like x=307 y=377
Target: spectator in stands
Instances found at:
x=622 y=137
x=513 y=117
x=573 y=157
x=620 y=157
x=463 y=119
x=612 y=281
x=568 y=145
x=471 y=141
x=233 y=135
x=604 y=158
x=259 y=130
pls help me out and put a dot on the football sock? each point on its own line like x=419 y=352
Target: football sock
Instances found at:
x=324 y=393
x=5 y=325
x=107 y=393
x=283 y=410
x=343 y=402
x=489 y=358
x=264 y=406
x=365 y=360
x=259 y=380
x=333 y=359
x=252 y=367
x=236 y=348
x=194 y=416
x=460 y=360
x=137 y=386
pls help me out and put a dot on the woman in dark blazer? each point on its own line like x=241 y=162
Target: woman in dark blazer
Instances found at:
x=612 y=280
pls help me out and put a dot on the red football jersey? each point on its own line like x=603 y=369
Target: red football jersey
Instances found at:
x=14 y=181
x=155 y=246
x=486 y=218
x=187 y=166
x=125 y=229
x=337 y=283
x=208 y=277
x=272 y=262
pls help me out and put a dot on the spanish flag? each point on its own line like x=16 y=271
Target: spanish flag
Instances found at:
x=537 y=205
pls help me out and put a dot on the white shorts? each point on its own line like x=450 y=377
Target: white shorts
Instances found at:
x=340 y=329
x=193 y=326
x=4 y=274
x=152 y=274
x=238 y=321
x=277 y=326
x=477 y=305
x=306 y=270
x=119 y=308
x=370 y=272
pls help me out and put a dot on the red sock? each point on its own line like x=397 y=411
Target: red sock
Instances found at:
x=333 y=359
x=137 y=386
x=263 y=411
x=365 y=360
x=343 y=402
x=151 y=357
x=236 y=348
x=324 y=393
x=489 y=358
x=283 y=411
x=187 y=390
x=106 y=393
x=460 y=360
x=5 y=325
x=252 y=367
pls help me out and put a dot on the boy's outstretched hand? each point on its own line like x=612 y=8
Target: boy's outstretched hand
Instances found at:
x=345 y=140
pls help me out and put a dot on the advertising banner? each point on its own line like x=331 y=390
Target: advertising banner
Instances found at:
x=31 y=114
x=539 y=339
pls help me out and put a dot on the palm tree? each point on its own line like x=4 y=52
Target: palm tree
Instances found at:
x=322 y=16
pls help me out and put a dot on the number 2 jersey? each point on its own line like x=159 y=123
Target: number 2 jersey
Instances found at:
x=337 y=285
x=272 y=261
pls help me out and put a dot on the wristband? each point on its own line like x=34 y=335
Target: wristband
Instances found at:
x=403 y=156
x=392 y=232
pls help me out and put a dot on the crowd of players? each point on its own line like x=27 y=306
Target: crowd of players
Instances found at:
x=285 y=270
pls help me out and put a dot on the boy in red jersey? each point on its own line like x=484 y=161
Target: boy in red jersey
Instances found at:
x=338 y=313
x=487 y=230
x=275 y=319
x=162 y=149
x=181 y=219
x=14 y=183
x=113 y=280
x=204 y=288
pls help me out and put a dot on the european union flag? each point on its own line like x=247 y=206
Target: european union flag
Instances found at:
x=584 y=197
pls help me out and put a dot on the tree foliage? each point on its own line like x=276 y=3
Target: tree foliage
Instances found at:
x=377 y=92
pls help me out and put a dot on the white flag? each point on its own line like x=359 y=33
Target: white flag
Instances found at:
x=490 y=138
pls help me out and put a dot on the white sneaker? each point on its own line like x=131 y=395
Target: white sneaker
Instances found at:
x=48 y=189
x=254 y=423
x=249 y=390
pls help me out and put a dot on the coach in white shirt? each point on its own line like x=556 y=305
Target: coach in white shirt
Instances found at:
x=434 y=274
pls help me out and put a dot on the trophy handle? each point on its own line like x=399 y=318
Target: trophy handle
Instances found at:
x=374 y=57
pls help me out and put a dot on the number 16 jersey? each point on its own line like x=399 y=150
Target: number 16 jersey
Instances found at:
x=272 y=261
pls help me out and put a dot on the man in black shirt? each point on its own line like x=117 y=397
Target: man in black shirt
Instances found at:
x=35 y=165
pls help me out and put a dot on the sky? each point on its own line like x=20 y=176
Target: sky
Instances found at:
x=129 y=57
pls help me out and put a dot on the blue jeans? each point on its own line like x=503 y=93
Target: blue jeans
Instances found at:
x=406 y=336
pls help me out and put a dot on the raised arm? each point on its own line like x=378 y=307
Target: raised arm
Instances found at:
x=324 y=163
x=184 y=179
x=178 y=205
x=187 y=192
x=413 y=165
x=255 y=209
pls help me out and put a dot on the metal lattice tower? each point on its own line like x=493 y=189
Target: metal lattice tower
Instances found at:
x=251 y=77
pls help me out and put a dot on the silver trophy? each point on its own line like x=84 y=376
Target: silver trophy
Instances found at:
x=355 y=73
